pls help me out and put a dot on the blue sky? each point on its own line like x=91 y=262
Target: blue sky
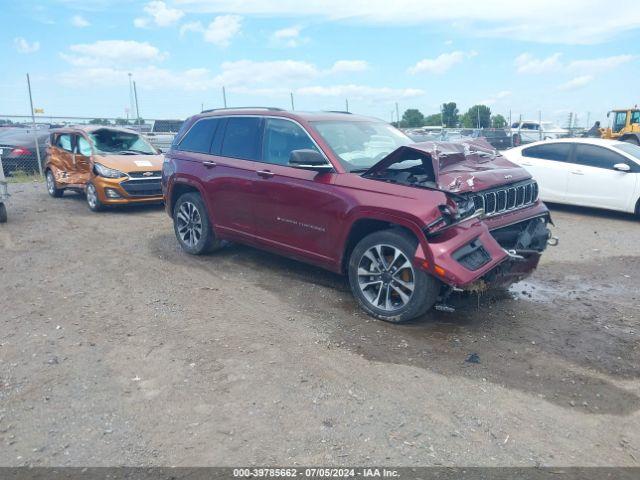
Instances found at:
x=549 y=56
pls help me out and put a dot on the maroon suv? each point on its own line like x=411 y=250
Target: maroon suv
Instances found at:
x=407 y=222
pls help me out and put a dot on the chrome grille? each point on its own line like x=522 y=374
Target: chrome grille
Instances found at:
x=506 y=198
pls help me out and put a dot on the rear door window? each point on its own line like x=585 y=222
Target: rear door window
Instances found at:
x=599 y=157
x=199 y=137
x=550 y=151
x=281 y=137
x=242 y=138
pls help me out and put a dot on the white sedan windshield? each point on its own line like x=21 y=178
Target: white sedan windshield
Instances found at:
x=360 y=145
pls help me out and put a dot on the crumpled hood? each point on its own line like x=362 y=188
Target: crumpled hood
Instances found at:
x=131 y=163
x=470 y=165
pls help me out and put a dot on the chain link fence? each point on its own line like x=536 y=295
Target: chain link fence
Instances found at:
x=24 y=143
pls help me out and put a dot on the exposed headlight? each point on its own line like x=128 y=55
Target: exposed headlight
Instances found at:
x=107 y=172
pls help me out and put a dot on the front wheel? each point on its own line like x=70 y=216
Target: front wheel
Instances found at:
x=52 y=188
x=93 y=201
x=633 y=140
x=384 y=280
x=192 y=226
x=3 y=213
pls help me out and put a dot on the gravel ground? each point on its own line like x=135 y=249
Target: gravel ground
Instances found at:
x=118 y=349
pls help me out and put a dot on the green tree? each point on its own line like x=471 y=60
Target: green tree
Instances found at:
x=498 y=121
x=450 y=114
x=412 y=118
x=100 y=121
x=433 y=120
x=478 y=116
x=122 y=121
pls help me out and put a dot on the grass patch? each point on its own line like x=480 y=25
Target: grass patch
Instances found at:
x=18 y=176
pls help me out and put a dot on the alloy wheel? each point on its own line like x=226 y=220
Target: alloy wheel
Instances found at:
x=189 y=223
x=51 y=185
x=386 y=277
x=92 y=196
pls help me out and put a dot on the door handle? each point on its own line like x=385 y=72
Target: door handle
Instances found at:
x=527 y=164
x=209 y=164
x=577 y=172
x=265 y=173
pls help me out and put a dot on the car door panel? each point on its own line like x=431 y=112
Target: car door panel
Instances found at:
x=593 y=181
x=547 y=163
x=311 y=231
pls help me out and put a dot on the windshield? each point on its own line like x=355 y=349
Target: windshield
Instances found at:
x=630 y=148
x=360 y=145
x=117 y=142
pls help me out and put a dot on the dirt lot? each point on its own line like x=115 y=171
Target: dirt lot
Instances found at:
x=118 y=349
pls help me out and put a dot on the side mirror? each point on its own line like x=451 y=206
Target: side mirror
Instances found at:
x=622 y=167
x=308 y=159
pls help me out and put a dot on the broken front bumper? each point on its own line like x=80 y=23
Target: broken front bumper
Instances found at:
x=495 y=250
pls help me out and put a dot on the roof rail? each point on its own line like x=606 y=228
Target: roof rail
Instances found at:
x=338 y=111
x=274 y=109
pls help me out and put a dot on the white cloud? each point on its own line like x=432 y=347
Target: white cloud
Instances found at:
x=160 y=14
x=600 y=64
x=349 y=66
x=528 y=64
x=79 y=21
x=220 y=31
x=542 y=21
x=575 y=83
x=495 y=97
x=288 y=37
x=248 y=72
x=191 y=27
x=112 y=53
x=23 y=46
x=141 y=22
x=441 y=64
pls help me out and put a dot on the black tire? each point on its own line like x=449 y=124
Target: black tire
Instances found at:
x=93 y=202
x=638 y=209
x=52 y=186
x=425 y=287
x=3 y=213
x=189 y=212
x=633 y=140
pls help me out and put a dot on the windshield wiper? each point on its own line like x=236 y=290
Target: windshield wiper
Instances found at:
x=134 y=152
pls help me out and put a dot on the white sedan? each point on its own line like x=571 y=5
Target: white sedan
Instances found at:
x=590 y=172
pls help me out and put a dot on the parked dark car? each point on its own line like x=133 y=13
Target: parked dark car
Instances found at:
x=407 y=222
x=18 y=147
x=498 y=138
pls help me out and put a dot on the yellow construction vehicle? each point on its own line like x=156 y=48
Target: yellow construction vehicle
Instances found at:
x=625 y=125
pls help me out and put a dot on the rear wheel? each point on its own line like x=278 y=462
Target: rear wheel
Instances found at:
x=633 y=140
x=192 y=226
x=3 y=213
x=93 y=201
x=384 y=280
x=52 y=188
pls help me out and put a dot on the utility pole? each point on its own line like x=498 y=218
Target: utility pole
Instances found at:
x=540 y=123
x=33 y=122
x=130 y=94
x=292 y=105
x=397 y=114
x=224 y=97
x=346 y=104
x=478 y=111
x=135 y=95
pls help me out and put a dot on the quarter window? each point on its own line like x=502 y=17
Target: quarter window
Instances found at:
x=281 y=137
x=599 y=157
x=242 y=138
x=549 y=151
x=64 y=142
x=198 y=139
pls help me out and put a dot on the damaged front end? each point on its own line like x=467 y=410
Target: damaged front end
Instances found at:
x=492 y=229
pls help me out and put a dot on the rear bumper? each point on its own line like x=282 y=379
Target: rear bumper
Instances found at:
x=476 y=253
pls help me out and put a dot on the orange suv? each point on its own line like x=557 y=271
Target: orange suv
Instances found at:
x=113 y=166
